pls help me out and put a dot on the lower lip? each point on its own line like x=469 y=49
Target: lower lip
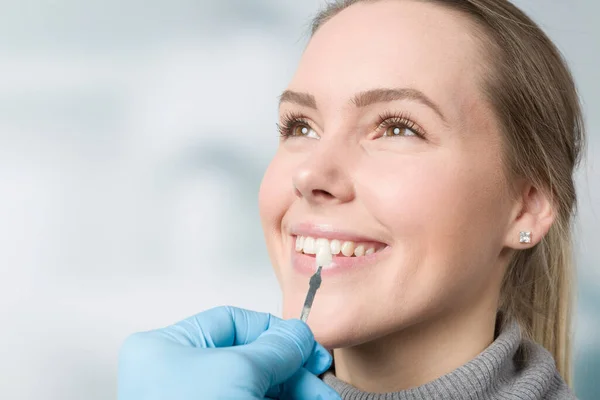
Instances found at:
x=306 y=264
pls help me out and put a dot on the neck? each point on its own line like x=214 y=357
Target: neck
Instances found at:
x=417 y=354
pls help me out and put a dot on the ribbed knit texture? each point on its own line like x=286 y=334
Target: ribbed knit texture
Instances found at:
x=502 y=371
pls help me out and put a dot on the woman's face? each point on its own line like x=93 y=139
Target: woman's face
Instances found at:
x=393 y=149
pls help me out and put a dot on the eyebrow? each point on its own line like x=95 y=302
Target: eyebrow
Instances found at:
x=366 y=98
x=302 y=99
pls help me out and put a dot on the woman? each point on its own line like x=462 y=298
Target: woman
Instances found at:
x=432 y=145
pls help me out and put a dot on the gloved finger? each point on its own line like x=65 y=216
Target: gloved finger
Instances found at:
x=303 y=385
x=219 y=327
x=319 y=360
x=279 y=352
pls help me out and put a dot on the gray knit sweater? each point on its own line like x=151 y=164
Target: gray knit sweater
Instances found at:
x=502 y=371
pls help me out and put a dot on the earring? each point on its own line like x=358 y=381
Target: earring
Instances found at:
x=524 y=237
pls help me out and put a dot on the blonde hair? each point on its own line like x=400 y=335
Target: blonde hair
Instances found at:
x=535 y=100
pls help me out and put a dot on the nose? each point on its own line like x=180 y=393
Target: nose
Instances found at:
x=324 y=176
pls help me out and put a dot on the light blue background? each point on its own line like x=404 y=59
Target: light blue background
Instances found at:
x=134 y=135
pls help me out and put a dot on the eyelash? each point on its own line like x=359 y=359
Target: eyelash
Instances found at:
x=386 y=120
x=289 y=121
x=401 y=120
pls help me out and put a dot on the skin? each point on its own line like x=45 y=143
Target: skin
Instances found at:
x=441 y=203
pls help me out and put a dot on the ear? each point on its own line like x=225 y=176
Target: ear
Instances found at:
x=534 y=212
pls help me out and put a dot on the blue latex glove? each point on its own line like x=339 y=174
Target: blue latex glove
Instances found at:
x=225 y=353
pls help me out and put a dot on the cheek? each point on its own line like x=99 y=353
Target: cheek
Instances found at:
x=274 y=199
x=275 y=192
x=439 y=212
x=437 y=193
x=405 y=195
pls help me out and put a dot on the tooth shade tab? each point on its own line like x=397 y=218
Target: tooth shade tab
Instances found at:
x=323 y=255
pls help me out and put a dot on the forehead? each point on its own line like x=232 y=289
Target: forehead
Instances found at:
x=392 y=43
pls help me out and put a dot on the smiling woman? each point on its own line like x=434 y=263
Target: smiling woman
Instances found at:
x=431 y=145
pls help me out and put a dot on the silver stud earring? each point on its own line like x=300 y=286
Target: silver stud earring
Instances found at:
x=524 y=237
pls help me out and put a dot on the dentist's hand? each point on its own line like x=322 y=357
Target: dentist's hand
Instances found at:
x=225 y=353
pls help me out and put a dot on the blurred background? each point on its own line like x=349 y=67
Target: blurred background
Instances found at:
x=134 y=135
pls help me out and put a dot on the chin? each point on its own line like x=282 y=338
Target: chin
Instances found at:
x=337 y=336
x=335 y=326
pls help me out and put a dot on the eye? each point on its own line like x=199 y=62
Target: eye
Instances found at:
x=399 y=130
x=296 y=126
x=398 y=125
x=301 y=129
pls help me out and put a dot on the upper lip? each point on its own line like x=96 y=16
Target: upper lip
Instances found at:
x=329 y=231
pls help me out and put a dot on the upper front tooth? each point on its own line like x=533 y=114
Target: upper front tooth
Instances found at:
x=321 y=243
x=348 y=248
x=309 y=245
x=299 y=243
x=335 y=246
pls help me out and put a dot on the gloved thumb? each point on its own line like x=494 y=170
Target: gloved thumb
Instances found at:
x=280 y=351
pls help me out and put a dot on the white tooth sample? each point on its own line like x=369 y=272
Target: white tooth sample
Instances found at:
x=321 y=243
x=359 y=251
x=323 y=256
x=299 y=243
x=335 y=246
x=370 y=251
x=348 y=248
x=309 y=245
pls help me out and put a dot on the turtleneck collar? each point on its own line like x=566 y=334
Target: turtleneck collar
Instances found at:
x=510 y=368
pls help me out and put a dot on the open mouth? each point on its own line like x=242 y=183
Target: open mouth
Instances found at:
x=344 y=248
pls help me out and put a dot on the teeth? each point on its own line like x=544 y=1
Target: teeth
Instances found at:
x=321 y=243
x=348 y=248
x=335 y=246
x=359 y=251
x=310 y=245
x=299 y=243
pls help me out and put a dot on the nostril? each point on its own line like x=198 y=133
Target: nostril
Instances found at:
x=322 y=194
